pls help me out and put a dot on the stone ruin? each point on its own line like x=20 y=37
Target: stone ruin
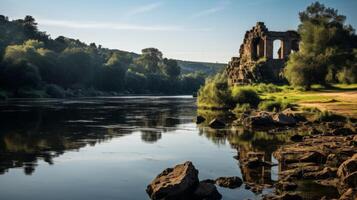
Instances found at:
x=256 y=62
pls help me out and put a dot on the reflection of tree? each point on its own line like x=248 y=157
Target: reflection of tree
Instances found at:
x=44 y=130
x=150 y=136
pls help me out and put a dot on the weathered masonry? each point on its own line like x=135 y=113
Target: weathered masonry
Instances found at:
x=257 y=62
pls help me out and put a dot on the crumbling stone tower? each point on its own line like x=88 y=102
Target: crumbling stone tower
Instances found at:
x=256 y=62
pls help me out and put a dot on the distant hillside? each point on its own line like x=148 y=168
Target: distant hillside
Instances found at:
x=205 y=67
x=188 y=67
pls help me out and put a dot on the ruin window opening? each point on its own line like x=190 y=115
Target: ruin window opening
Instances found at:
x=277 y=49
x=258 y=48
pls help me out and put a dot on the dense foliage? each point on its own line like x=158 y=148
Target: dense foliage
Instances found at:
x=34 y=65
x=216 y=93
x=328 y=49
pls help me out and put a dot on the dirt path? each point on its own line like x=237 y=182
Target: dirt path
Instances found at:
x=344 y=103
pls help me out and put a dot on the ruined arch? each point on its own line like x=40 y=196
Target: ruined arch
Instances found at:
x=258 y=57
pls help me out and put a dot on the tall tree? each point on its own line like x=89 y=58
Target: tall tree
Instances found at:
x=326 y=44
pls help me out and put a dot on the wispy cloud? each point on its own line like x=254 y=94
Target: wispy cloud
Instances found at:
x=144 y=9
x=209 y=11
x=113 y=26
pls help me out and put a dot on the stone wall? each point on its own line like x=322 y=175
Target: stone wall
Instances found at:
x=256 y=62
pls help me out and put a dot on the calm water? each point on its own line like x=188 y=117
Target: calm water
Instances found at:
x=111 y=148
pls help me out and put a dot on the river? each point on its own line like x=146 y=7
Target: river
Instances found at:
x=111 y=148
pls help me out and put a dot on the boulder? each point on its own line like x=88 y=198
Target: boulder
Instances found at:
x=229 y=182
x=260 y=120
x=200 y=119
x=174 y=183
x=285 y=120
x=207 y=191
x=216 y=124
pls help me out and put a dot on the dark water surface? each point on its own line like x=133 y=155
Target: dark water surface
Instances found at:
x=111 y=148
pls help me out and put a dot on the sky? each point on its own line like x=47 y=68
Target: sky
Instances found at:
x=196 y=30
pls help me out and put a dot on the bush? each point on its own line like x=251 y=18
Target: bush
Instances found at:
x=267 y=88
x=55 y=91
x=215 y=93
x=271 y=105
x=245 y=96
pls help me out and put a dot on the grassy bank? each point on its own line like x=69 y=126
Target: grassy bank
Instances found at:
x=216 y=94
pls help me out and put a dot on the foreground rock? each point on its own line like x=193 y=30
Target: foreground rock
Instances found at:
x=229 y=182
x=180 y=183
x=207 y=191
x=174 y=183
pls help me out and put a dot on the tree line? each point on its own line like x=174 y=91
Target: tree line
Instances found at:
x=34 y=65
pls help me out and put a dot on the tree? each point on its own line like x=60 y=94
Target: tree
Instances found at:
x=112 y=77
x=150 y=60
x=21 y=74
x=326 y=44
x=171 y=68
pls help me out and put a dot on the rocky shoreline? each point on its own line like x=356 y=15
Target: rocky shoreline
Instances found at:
x=320 y=152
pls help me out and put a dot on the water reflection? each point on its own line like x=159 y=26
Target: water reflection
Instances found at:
x=44 y=129
x=34 y=130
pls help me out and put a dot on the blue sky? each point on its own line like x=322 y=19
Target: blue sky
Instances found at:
x=210 y=30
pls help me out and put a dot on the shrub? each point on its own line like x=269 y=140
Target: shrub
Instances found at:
x=55 y=91
x=267 y=88
x=215 y=93
x=272 y=105
x=245 y=96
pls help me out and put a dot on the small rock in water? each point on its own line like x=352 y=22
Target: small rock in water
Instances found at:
x=207 y=191
x=174 y=183
x=215 y=123
x=229 y=182
x=200 y=119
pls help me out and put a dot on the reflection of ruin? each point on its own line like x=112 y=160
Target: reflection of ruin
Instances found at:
x=258 y=175
x=257 y=62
